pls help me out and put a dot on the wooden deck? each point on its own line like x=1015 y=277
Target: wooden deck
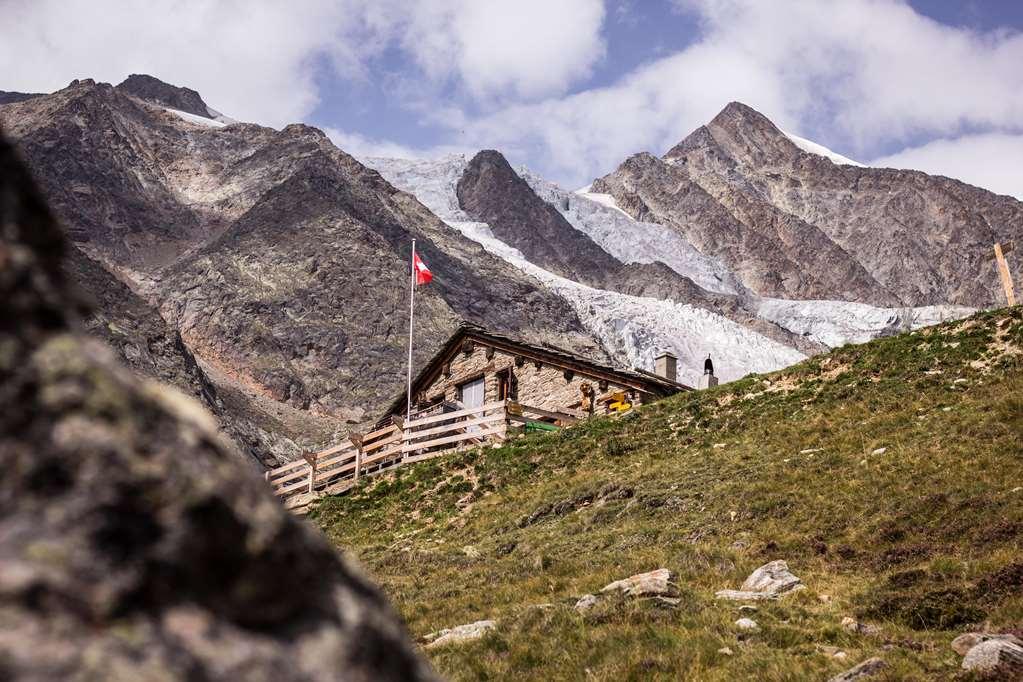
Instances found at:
x=339 y=468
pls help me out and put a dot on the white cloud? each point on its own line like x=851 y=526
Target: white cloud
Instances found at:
x=250 y=59
x=991 y=161
x=503 y=51
x=860 y=76
x=257 y=60
x=363 y=147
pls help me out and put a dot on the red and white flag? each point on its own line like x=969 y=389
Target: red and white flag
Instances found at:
x=423 y=274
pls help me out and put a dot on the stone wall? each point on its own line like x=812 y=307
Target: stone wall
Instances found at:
x=538 y=384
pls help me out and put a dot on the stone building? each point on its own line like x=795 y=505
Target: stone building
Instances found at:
x=475 y=367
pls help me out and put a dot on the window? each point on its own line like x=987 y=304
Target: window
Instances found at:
x=507 y=385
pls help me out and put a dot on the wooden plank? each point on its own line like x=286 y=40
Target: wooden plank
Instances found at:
x=338 y=471
x=334 y=460
x=297 y=474
x=380 y=444
x=451 y=415
x=499 y=417
x=381 y=432
x=481 y=434
x=294 y=486
x=334 y=450
x=382 y=456
x=287 y=467
x=527 y=409
x=1003 y=271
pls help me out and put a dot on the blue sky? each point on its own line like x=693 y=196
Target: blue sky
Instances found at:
x=568 y=87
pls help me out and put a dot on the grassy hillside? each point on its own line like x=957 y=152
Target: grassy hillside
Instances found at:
x=922 y=540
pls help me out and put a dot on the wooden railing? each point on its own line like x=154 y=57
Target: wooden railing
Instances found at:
x=339 y=468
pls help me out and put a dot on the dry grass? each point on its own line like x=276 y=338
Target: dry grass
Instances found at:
x=922 y=541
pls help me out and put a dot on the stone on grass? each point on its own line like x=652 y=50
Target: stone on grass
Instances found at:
x=659 y=583
x=770 y=581
x=459 y=633
x=867 y=668
x=854 y=626
x=725 y=651
x=967 y=641
x=747 y=624
x=879 y=451
x=994 y=653
x=585 y=603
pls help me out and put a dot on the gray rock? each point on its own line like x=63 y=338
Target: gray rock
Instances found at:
x=867 y=668
x=585 y=603
x=747 y=624
x=772 y=578
x=854 y=626
x=967 y=641
x=994 y=653
x=770 y=581
x=659 y=583
x=133 y=544
x=459 y=634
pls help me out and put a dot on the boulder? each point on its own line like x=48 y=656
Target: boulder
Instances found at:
x=133 y=544
x=967 y=641
x=659 y=583
x=459 y=634
x=867 y=668
x=585 y=603
x=995 y=654
x=747 y=624
x=856 y=627
x=770 y=581
x=773 y=578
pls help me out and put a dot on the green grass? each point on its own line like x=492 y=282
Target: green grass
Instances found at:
x=922 y=541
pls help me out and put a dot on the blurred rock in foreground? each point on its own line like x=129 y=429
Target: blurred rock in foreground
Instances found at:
x=132 y=544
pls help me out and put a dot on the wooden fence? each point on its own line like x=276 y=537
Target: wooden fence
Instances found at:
x=339 y=468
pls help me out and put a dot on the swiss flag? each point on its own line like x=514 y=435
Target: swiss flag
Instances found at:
x=423 y=274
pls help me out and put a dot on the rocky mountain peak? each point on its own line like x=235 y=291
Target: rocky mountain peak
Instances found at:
x=490 y=191
x=745 y=134
x=156 y=91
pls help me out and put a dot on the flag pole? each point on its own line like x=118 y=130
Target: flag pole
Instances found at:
x=411 y=311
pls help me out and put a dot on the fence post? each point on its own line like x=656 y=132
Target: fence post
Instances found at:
x=356 y=439
x=310 y=461
x=399 y=423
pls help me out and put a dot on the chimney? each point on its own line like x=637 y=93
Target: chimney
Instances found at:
x=666 y=366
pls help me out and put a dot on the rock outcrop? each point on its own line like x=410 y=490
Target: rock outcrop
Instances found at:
x=133 y=545
x=156 y=91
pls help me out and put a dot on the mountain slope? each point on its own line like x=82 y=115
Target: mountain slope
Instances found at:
x=279 y=258
x=744 y=191
x=885 y=474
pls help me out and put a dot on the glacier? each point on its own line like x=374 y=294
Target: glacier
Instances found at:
x=636 y=328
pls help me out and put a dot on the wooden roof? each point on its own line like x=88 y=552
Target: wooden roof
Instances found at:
x=640 y=380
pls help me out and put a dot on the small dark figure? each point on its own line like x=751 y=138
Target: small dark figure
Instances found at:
x=708 y=366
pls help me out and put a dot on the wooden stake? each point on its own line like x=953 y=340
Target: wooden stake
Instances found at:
x=356 y=439
x=1003 y=270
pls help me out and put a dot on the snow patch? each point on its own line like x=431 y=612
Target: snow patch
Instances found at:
x=633 y=241
x=198 y=120
x=431 y=181
x=820 y=150
x=836 y=323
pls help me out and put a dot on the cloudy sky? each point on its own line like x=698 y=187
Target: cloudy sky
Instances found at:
x=568 y=87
